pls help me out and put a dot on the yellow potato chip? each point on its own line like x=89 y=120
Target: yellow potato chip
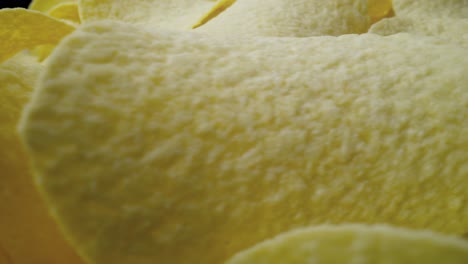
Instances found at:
x=449 y=29
x=43 y=52
x=279 y=18
x=46 y=5
x=191 y=147
x=167 y=14
x=432 y=8
x=23 y=29
x=66 y=11
x=356 y=244
x=220 y=6
x=27 y=233
x=379 y=9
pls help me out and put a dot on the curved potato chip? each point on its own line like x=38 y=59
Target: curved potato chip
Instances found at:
x=23 y=29
x=432 y=8
x=280 y=18
x=168 y=14
x=27 y=233
x=356 y=244
x=190 y=147
x=46 y=5
x=451 y=29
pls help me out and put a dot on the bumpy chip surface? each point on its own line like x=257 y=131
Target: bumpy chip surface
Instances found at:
x=432 y=8
x=453 y=30
x=280 y=18
x=351 y=244
x=23 y=29
x=27 y=233
x=186 y=147
x=166 y=14
x=443 y=19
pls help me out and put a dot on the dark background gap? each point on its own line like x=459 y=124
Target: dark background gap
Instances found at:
x=14 y=3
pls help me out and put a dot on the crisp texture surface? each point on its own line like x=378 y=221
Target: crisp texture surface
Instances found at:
x=285 y=18
x=431 y=8
x=167 y=14
x=446 y=29
x=186 y=148
x=27 y=233
x=446 y=20
x=23 y=29
x=352 y=244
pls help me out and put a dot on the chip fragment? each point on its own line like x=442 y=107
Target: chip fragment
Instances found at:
x=191 y=147
x=23 y=29
x=356 y=244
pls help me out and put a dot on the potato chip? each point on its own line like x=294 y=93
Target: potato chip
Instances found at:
x=167 y=14
x=27 y=233
x=280 y=18
x=379 y=9
x=432 y=8
x=43 y=52
x=356 y=244
x=449 y=29
x=191 y=147
x=47 y=5
x=23 y=29
x=215 y=11
x=66 y=11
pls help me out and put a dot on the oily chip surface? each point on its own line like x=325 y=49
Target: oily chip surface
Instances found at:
x=187 y=148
